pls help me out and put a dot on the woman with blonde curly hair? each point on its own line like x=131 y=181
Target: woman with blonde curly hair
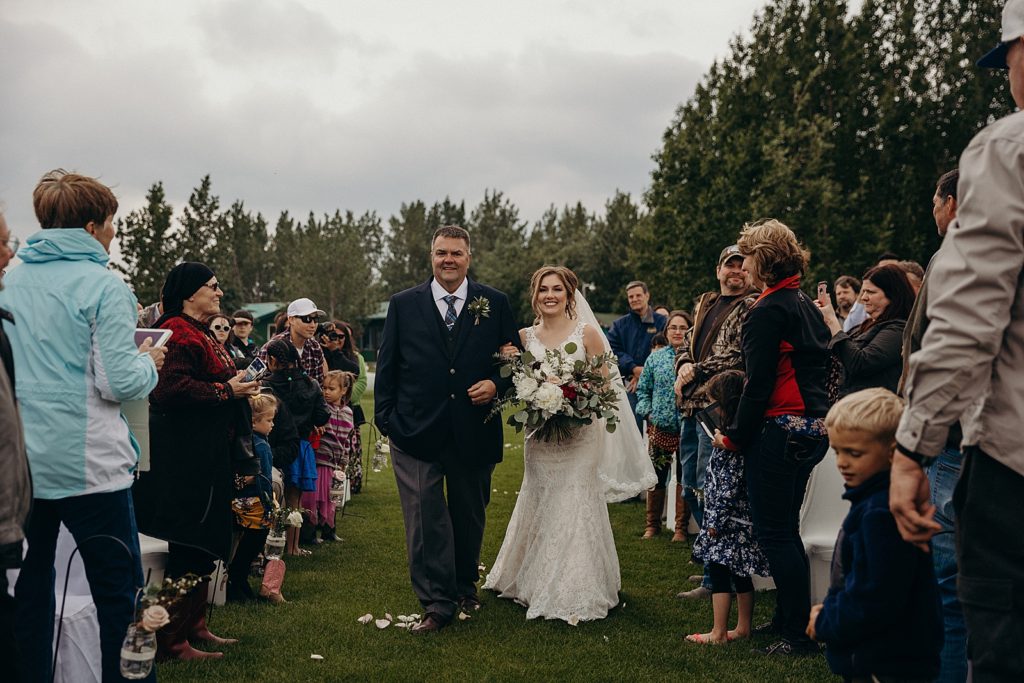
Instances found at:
x=779 y=423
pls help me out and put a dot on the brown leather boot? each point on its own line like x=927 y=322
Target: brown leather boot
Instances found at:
x=682 y=517
x=655 y=504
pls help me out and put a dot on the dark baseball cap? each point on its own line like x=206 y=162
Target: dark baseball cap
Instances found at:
x=1012 y=29
x=732 y=251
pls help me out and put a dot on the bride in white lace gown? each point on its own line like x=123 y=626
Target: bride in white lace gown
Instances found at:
x=558 y=557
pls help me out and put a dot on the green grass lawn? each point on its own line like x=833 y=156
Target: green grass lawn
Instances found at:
x=642 y=639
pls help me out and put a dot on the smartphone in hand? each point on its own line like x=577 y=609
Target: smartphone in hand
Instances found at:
x=823 y=292
x=256 y=370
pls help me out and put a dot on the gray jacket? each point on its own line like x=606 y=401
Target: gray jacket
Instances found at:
x=15 y=482
x=971 y=361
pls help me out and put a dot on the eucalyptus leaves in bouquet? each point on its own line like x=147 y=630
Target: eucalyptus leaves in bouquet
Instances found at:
x=557 y=394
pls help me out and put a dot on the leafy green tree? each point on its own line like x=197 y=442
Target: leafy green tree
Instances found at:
x=197 y=237
x=147 y=247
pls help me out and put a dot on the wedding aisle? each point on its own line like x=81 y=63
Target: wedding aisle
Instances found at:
x=642 y=639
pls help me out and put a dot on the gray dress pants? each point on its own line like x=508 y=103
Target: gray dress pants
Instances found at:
x=443 y=534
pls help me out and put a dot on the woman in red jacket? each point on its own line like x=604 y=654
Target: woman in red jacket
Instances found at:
x=779 y=425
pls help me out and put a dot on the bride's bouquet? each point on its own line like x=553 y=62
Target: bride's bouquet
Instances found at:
x=556 y=395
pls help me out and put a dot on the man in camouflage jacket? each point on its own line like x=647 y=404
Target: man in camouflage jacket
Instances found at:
x=711 y=346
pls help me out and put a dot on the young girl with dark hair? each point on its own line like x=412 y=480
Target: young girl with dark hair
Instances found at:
x=726 y=543
x=304 y=403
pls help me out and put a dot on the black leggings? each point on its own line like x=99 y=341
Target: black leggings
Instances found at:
x=723 y=580
x=186 y=559
x=249 y=546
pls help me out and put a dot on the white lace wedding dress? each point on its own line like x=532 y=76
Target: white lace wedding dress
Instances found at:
x=558 y=558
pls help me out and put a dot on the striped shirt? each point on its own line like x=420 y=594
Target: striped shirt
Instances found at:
x=336 y=443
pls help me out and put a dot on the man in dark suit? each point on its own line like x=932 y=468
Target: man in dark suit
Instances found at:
x=436 y=379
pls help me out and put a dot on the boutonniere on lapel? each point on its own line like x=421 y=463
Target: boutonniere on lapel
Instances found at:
x=481 y=308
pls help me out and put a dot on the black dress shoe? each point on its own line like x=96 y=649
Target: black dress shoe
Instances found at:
x=429 y=624
x=469 y=603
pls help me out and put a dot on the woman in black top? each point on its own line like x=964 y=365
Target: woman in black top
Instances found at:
x=871 y=353
x=779 y=425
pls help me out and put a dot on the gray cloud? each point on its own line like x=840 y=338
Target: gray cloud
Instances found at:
x=546 y=125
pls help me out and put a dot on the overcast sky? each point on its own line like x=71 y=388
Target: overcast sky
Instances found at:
x=308 y=105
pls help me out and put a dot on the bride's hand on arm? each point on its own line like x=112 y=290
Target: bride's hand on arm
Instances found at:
x=508 y=351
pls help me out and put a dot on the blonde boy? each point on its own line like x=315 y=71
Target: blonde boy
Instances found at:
x=881 y=618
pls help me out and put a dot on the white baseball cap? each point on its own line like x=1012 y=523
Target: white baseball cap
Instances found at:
x=304 y=307
x=1013 y=28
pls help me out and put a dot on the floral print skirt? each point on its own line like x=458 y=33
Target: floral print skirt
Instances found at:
x=727 y=537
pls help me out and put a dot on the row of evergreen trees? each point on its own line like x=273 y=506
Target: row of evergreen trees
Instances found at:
x=836 y=122
x=347 y=263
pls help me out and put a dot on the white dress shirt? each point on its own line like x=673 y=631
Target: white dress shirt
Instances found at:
x=440 y=293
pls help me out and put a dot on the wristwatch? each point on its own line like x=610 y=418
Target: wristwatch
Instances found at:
x=923 y=460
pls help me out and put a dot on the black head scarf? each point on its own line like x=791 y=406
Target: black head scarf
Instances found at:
x=183 y=281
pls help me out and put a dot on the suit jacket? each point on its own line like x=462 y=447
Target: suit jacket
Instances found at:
x=423 y=372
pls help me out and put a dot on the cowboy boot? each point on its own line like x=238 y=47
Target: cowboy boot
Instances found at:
x=682 y=517
x=655 y=504
x=172 y=639
x=307 y=533
x=200 y=599
x=273 y=577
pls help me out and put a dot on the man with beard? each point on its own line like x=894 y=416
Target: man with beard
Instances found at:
x=711 y=346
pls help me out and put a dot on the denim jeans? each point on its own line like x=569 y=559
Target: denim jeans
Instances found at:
x=694 y=453
x=777 y=465
x=113 y=567
x=942 y=478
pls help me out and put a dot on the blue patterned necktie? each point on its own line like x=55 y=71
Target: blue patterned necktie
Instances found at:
x=450 y=315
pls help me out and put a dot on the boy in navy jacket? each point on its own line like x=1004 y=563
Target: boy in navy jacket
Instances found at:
x=881 y=617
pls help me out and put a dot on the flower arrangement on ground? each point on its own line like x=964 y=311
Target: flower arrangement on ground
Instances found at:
x=556 y=395
x=155 y=604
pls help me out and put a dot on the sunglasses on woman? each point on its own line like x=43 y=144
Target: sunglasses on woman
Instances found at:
x=335 y=336
x=219 y=328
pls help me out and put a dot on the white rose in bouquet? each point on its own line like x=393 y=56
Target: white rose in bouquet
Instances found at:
x=294 y=518
x=526 y=387
x=155 y=617
x=548 y=397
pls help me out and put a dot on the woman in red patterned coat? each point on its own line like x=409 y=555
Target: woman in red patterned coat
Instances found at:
x=200 y=450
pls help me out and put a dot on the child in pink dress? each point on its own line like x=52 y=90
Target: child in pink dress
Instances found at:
x=332 y=454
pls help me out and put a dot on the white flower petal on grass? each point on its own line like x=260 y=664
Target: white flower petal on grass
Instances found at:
x=382 y=623
x=403 y=624
x=463 y=616
x=481 y=567
x=365 y=619
x=605 y=638
x=318 y=658
x=414 y=617
x=387 y=615
x=573 y=620
x=404 y=618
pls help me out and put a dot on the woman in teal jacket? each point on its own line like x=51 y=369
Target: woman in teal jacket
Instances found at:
x=76 y=360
